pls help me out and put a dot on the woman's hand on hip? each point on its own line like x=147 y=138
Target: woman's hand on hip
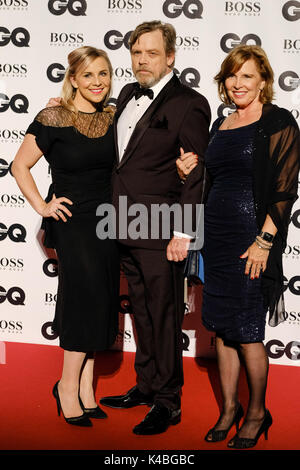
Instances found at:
x=56 y=209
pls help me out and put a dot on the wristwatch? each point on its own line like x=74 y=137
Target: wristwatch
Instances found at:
x=267 y=236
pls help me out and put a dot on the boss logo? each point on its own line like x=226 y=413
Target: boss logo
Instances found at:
x=189 y=77
x=231 y=40
x=13 y=135
x=11 y=326
x=47 y=331
x=291 y=10
x=16 y=233
x=14 y=3
x=188 y=42
x=68 y=39
x=50 y=298
x=18 y=103
x=192 y=9
x=291 y=45
x=276 y=349
x=19 y=70
x=293 y=284
x=4 y=167
x=224 y=110
x=114 y=39
x=20 y=37
x=124 y=336
x=292 y=317
x=125 y=304
x=11 y=263
x=56 y=72
x=12 y=200
x=292 y=250
x=50 y=267
x=242 y=7
x=123 y=73
x=289 y=80
x=125 y=5
x=14 y=295
x=75 y=7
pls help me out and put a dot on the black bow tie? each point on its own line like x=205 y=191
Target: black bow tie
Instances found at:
x=143 y=91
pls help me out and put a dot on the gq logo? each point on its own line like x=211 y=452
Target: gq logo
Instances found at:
x=224 y=110
x=18 y=103
x=230 y=40
x=293 y=284
x=20 y=37
x=295 y=219
x=189 y=77
x=14 y=295
x=289 y=81
x=4 y=167
x=291 y=10
x=114 y=39
x=190 y=8
x=47 y=331
x=56 y=72
x=75 y=7
x=50 y=267
x=16 y=233
x=276 y=349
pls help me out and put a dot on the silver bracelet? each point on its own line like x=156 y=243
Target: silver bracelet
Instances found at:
x=262 y=247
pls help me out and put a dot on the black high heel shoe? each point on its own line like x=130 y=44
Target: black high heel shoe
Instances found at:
x=81 y=420
x=93 y=412
x=245 y=442
x=217 y=435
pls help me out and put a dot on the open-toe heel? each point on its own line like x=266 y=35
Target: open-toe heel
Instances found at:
x=217 y=435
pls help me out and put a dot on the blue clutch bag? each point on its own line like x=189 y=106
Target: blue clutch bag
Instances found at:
x=194 y=268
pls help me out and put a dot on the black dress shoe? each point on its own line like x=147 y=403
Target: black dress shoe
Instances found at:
x=132 y=398
x=158 y=420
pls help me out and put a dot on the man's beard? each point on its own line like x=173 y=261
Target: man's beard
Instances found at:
x=149 y=82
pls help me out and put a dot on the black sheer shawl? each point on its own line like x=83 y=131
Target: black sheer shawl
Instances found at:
x=276 y=168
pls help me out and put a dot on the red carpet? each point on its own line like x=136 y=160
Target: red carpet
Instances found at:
x=29 y=419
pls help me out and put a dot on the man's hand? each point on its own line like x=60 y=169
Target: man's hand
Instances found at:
x=53 y=102
x=177 y=249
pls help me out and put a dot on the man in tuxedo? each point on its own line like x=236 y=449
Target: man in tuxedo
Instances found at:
x=155 y=118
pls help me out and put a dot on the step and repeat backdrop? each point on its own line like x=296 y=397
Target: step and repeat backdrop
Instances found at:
x=35 y=39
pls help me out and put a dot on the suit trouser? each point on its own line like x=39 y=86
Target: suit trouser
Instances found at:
x=155 y=288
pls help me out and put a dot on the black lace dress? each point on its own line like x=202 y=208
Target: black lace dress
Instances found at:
x=81 y=156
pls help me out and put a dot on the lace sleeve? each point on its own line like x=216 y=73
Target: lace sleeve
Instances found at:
x=285 y=147
x=41 y=130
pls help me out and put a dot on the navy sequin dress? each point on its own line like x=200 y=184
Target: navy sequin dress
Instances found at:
x=232 y=302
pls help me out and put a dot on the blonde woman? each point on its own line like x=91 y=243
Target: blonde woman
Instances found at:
x=76 y=139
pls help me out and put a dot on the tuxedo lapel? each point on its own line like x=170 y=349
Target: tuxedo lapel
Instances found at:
x=145 y=120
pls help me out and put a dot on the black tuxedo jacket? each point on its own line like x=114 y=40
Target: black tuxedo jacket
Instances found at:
x=147 y=174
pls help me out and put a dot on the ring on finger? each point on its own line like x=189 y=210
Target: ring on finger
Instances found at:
x=249 y=264
x=57 y=211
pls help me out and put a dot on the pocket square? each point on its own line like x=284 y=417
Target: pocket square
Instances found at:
x=159 y=123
